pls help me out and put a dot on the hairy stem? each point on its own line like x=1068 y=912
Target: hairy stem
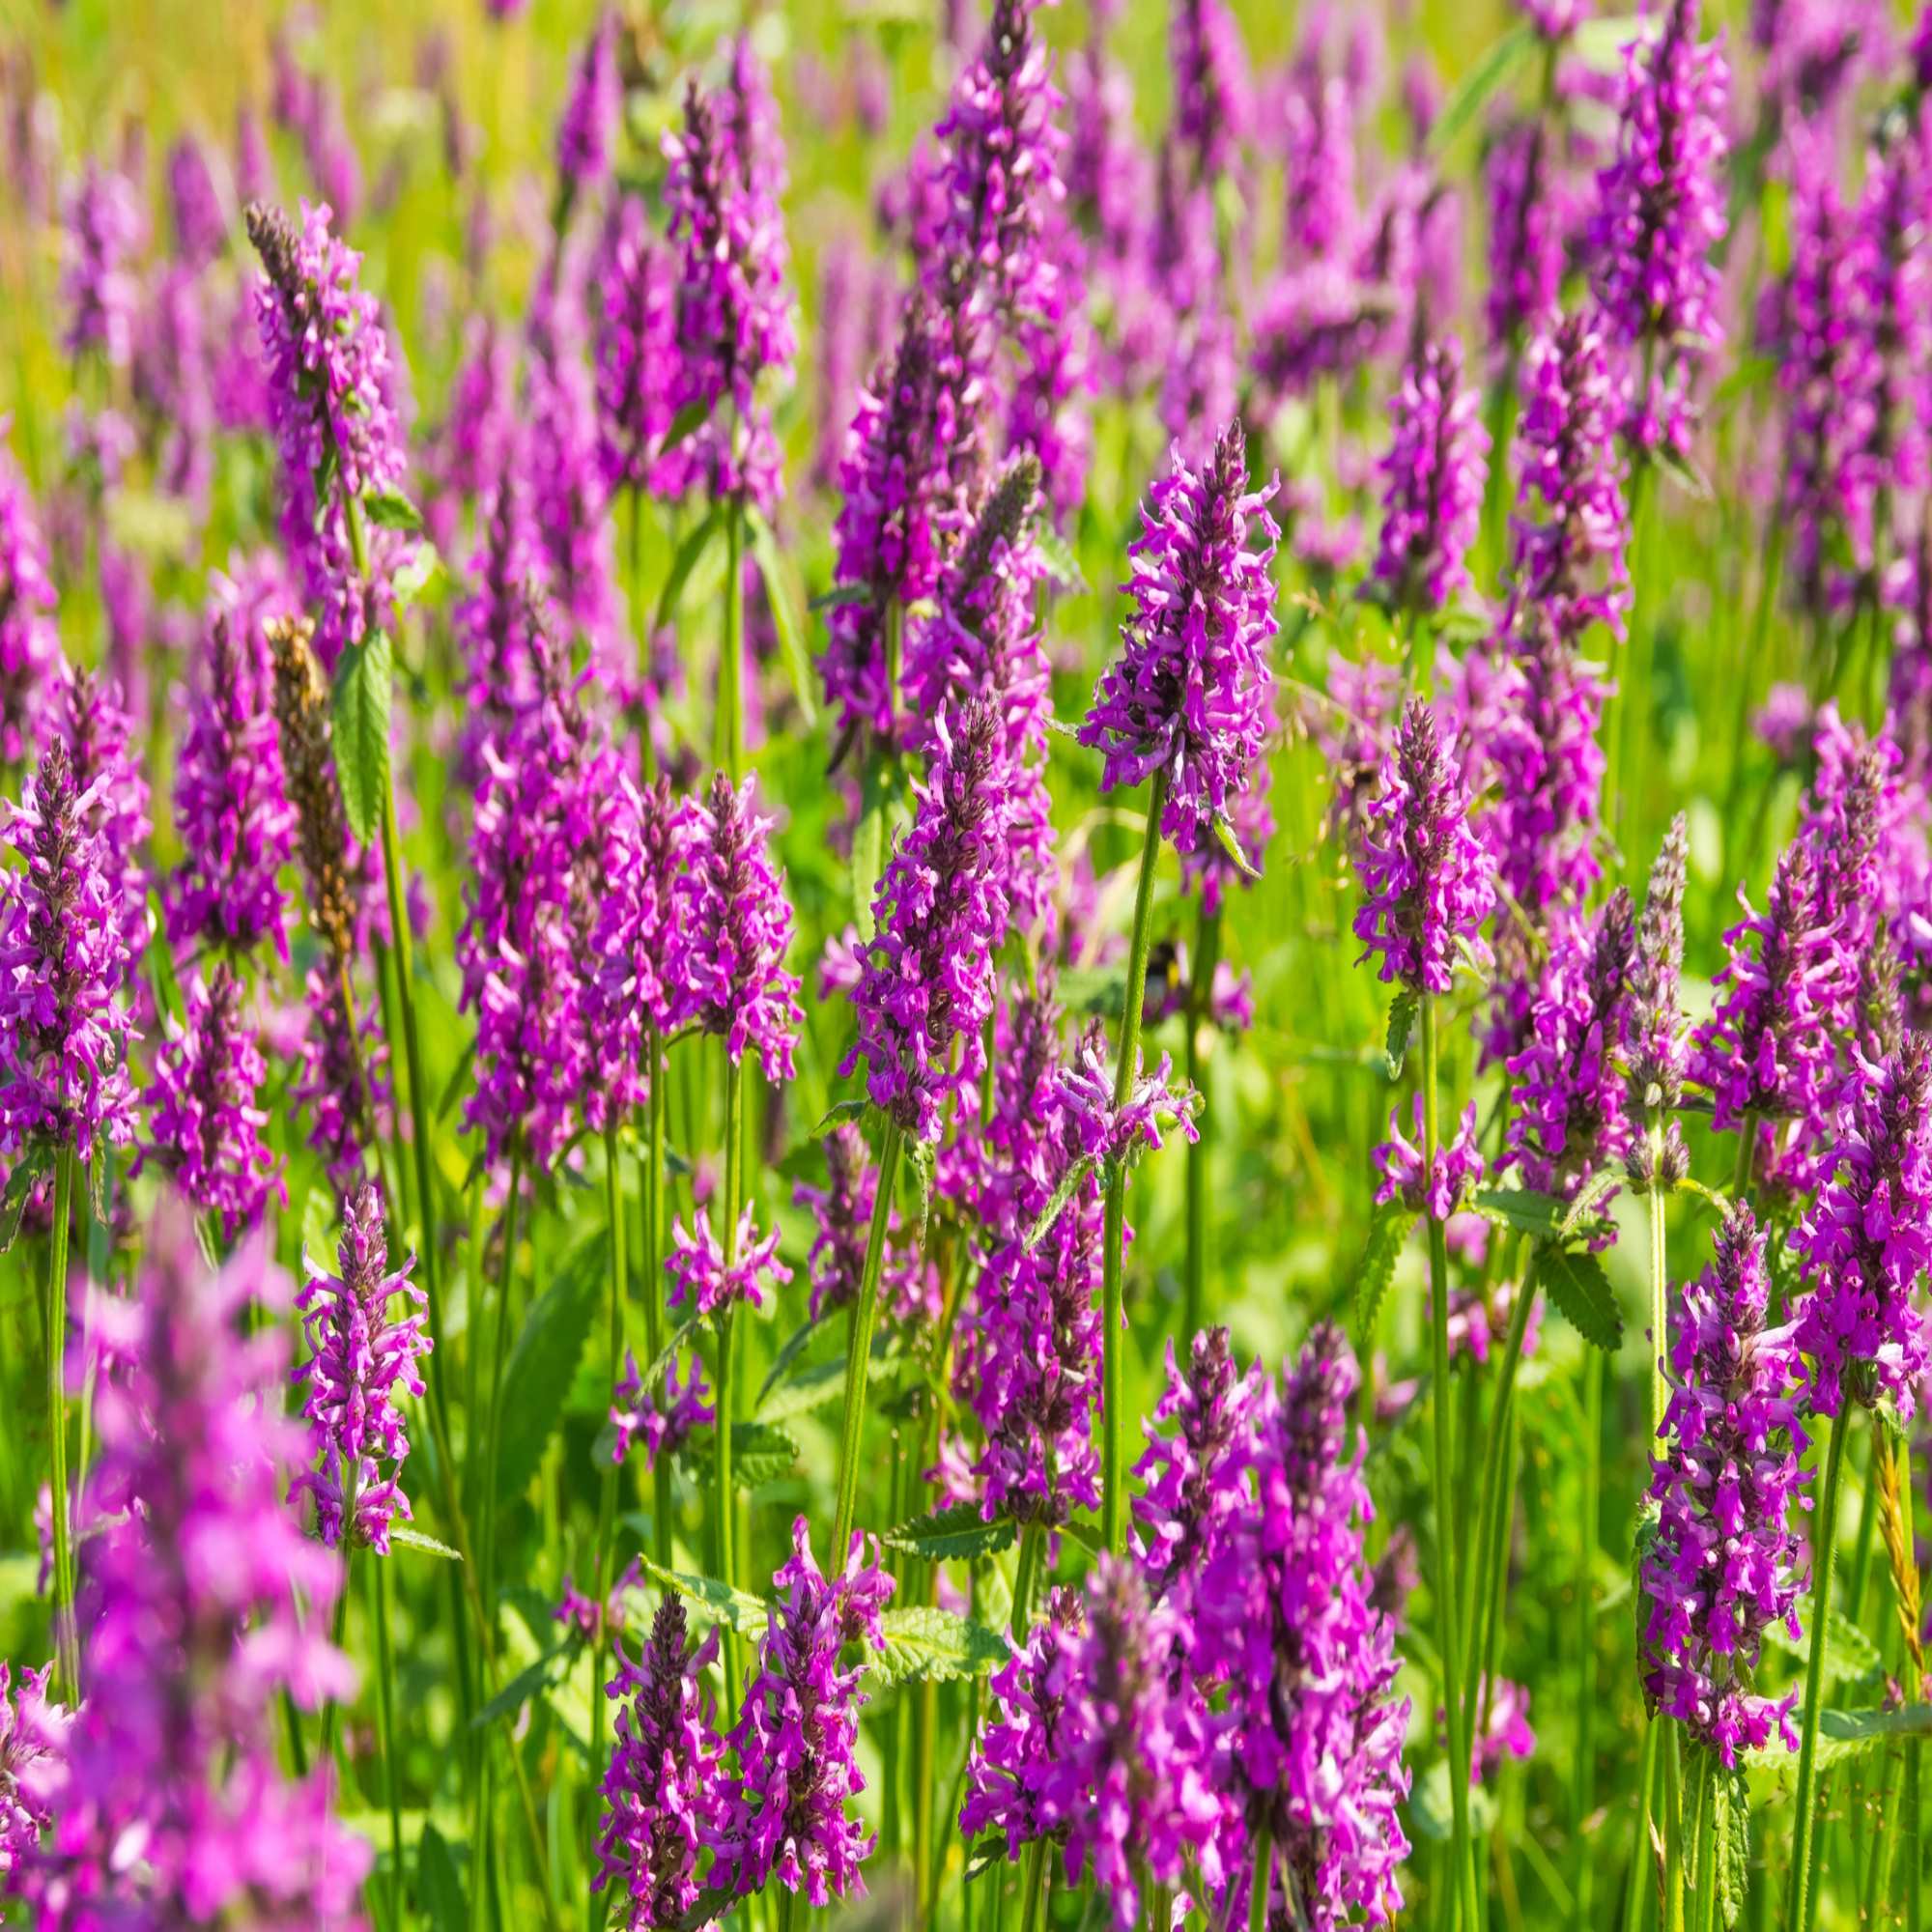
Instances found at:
x=858 y=1350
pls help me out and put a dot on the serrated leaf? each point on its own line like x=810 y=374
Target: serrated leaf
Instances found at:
x=1062 y=565
x=719 y=1603
x=363 y=683
x=1577 y=1288
x=954 y=1534
x=796 y=1344
x=710 y=1904
x=1062 y=1192
x=689 y=553
x=414 y=1539
x=1848 y=1734
x=679 y=1340
x=1401 y=1024
x=760 y=1453
x=924 y=1643
x=391 y=510
x=1534 y=1214
x=784 y=615
x=1731 y=1864
x=544 y=1363
x=1484 y=81
x=1849 y=1653
x=527 y=1683
x=34 y=1160
x=1387 y=1232
x=439 y=1895
x=838 y=1114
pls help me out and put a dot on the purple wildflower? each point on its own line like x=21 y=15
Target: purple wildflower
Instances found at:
x=63 y=1022
x=1528 y=231
x=1211 y=88
x=329 y=389
x=29 y=644
x=32 y=1736
x=587 y=133
x=1568 y=1119
x=232 y=810
x=665 y=1419
x=1009 y=1763
x=1438 y=1191
x=207 y=1125
x=1433 y=476
x=1505 y=1728
x=702 y=1274
x=941 y=913
x=1722 y=1564
x=497 y=621
x=784 y=1814
x=1660 y=212
x=633 y=991
x=1109 y=1133
x=1315 y=1750
x=194 y=205
x=634 y=347
x=729 y=929
x=98 y=282
x=660 y=1789
x=364 y=1358
x=341 y=1079
x=1653 y=1023
x=1864 y=1243
x=733 y=312
x=205 y=1605
x=1427 y=881
x=841 y=1215
x=1190 y=698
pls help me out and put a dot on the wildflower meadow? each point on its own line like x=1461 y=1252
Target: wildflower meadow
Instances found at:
x=965 y=964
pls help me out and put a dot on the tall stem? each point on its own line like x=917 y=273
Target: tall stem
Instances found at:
x=1636 y=1885
x=1199 y=996
x=858 y=1349
x=607 y=1507
x=487 y=1501
x=724 y=1498
x=1447 y=1605
x=67 y=1637
x=1260 y=1883
x=1586 y=1628
x=379 y=1589
x=1025 y=1579
x=1801 y=1902
x=653 y=1264
x=728 y=749
x=1113 y=1491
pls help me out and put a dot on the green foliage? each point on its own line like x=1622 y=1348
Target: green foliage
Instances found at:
x=363 y=699
x=922 y=1642
x=545 y=1360
x=951 y=1534
x=1573 y=1280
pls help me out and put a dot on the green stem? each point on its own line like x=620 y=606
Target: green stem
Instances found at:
x=1586 y=1628
x=1660 y=1311
x=487 y=1501
x=725 y=1497
x=67 y=1635
x=1113 y=1480
x=1673 y=1833
x=331 y=1711
x=1801 y=1902
x=1033 y=1885
x=1207 y=951
x=1259 y=1881
x=607 y=1509
x=858 y=1349
x=1026 y=1578
x=654 y=1276
x=1631 y=698
x=379 y=1588
x=1447 y=1607
x=1697 y=1878
x=728 y=751
x=1637 y=1885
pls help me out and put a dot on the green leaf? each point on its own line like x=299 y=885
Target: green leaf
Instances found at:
x=1485 y=80
x=689 y=553
x=439 y=1894
x=1540 y=1214
x=1064 y=1190
x=414 y=1539
x=842 y=594
x=760 y=1453
x=1575 y=1281
x=391 y=510
x=1229 y=843
x=838 y=1114
x=1401 y=1024
x=869 y=845
x=680 y=1337
x=1429 y=1806
x=1849 y=1653
x=34 y=1160
x=947 y=1535
x=718 y=1603
x=692 y=416
x=1062 y=565
x=363 y=692
x=1848 y=1734
x=810 y=1389
x=1731 y=1864
x=712 y=1903
x=544 y=1363
x=1387 y=1232
x=796 y=1344
x=926 y=1643
x=784 y=615
x=529 y=1682
x=452 y=1091
x=414 y=575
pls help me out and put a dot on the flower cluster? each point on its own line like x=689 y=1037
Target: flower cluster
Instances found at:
x=1653 y=1022
x=634 y=991
x=104 y=230
x=1108 y=1131
x=586 y=132
x=364 y=1358
x=784 y=1814
x=1432 y=475
x=1191 y=699
x=711 y=1278
x=1723 y=1562
x=634 y=347
x=664 y=1420
x=841 y=1213
x=29 y=646
x=33 y=1730
x=1439 y=1190
x=1428 y=883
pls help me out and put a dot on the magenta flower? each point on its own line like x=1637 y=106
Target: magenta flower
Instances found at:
x=784 y=1814
x=331 y=392
x=1438 y=1191
x=32 y=1749
x=1653 y=1022
x=363 y=1359
x=498 y=619
x=1427 y=881
x=63 y=1022
x=941 y=912
x=194 y=205
x=1724 y=1562
x=1107 y=1133
x=206 y=1121
x=633 y=994
x=587 y=133
x=730 y=928
x=342 y=1080
x=105 y=231
x=702 y=1275
x=1866 y=1240
x=1210 y=71
x=660 y=1790
x=1529 y=218
x=635 y=345
x=841 y=1215
x=29 y=644
x=1191 y=697
x=1009 y=1763
x=665 y=1419
x=187 y=1546
x=1432 y=475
